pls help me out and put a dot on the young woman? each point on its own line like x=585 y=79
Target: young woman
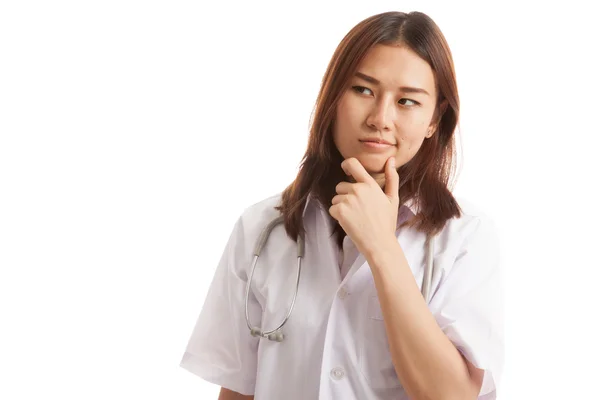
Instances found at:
x=370 y=197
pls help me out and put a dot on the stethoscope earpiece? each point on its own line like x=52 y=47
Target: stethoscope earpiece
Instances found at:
x=255 y=332
x=276 y=337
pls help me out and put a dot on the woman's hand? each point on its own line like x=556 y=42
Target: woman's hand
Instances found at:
x=367 y=213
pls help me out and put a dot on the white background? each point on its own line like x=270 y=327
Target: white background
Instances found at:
x=134 y=133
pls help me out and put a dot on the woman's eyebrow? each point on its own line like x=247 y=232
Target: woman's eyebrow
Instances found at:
x=406 y=89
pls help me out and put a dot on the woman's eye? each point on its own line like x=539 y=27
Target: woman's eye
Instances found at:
x=413 y=103
x=367 y=91
x=361 y=89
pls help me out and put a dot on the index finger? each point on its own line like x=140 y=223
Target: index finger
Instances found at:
x=354 y=168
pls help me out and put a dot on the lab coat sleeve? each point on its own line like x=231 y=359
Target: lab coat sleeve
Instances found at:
x=468 y=303
x=221 y=349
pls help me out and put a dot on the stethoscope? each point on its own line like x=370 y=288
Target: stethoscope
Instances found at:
x=276 y=334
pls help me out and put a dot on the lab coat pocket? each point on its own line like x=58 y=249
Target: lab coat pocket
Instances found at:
x=375 y=358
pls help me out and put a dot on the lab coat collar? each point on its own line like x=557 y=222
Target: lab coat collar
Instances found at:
x=328 y=241
x=311 y=201
x=411 y=205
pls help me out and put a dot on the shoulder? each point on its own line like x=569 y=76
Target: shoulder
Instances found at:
x=470 y=209
x=248 y=227
x=475 y=228
x=261 y=212
x=256 y=216
x=472 y=217
x=265 y=205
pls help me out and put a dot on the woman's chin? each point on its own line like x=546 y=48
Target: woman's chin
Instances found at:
x=372 y=165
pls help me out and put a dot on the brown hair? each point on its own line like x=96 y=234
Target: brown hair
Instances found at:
x=424 y=179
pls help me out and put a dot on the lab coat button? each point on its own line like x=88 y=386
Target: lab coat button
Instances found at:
x=342 y=293
x=337 y=373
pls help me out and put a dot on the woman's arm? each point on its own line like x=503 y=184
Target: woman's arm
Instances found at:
x=427 y=363
x=227 y=394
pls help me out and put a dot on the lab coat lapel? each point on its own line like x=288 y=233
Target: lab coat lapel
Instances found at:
x=327 y=247
x=359 y=273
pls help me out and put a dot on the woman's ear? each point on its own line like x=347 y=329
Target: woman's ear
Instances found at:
x=437 y=118
x=431 y=130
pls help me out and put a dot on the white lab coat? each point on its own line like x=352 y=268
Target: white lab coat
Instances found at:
x=335 y=343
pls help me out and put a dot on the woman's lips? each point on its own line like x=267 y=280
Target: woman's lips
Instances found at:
x=373 y=145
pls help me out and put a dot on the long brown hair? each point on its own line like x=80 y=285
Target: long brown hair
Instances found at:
x=425 y=178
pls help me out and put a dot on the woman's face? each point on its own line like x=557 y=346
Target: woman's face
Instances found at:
x=386 y=109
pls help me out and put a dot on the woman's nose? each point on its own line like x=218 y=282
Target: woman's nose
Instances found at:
x=382 y=115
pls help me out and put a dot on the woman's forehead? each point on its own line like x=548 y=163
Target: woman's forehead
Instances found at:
x=397 y=66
